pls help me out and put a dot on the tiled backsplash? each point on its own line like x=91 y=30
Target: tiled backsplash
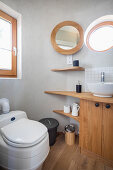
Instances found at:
x=93 y=75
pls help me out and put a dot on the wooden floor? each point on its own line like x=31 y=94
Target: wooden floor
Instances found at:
x=64 y=157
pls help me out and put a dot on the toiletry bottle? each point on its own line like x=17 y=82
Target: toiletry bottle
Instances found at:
x=78 y=87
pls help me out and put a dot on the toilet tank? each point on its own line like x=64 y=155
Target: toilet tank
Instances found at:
x=11 y=117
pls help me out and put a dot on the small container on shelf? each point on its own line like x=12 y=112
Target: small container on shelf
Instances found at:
x=76 y=63
x=75 y=109
x=67 y=109
x=78 y=87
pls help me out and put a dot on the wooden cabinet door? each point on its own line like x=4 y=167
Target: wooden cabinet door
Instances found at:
x=91 y=126
x=107 y=135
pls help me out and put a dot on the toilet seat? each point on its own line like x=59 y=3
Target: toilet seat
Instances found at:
x=23 y=133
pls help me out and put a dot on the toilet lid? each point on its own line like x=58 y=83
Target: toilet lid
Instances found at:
x=23 y=133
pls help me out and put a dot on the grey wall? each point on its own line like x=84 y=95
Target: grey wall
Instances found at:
x=39 y=18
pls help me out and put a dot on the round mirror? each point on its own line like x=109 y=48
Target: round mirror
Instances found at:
x=67 y=37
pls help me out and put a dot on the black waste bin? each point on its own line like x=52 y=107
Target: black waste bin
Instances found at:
x=51 y=125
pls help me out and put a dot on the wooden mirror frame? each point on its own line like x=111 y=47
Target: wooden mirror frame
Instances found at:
x=94 y=29
x=53 y=36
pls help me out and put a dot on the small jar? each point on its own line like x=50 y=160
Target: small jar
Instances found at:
x=76 y=63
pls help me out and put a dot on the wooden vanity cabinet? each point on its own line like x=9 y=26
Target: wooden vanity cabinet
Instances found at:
x=90 y=126
x=96 y=124
x=107 y=132
x=96 y=128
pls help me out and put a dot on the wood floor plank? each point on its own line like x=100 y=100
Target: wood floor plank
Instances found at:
x=108 y=168
x=64 y=157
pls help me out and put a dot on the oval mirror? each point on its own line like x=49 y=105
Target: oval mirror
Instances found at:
x=67 y=37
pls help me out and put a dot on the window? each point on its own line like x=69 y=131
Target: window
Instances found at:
x=99 y=35
x=8 y=45
x=100 y=38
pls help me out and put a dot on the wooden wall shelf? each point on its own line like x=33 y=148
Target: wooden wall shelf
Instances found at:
x=69 y=69
x=85 y=95
x=67 y=114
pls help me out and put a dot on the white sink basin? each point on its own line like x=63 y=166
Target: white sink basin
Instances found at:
x=102 y=89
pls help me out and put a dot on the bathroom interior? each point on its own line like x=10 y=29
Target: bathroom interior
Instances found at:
x=56 y=85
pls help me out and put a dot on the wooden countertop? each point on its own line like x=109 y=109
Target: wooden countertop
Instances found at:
x=84 y=95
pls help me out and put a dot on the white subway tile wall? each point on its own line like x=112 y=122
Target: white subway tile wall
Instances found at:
x=93 y=75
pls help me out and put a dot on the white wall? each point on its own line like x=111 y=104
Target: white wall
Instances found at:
x=39 y=18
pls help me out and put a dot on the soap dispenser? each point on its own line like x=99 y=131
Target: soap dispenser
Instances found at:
x=78 y=87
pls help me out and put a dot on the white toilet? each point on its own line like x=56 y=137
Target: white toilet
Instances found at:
x=24 y=143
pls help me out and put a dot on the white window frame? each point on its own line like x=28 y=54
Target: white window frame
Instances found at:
x=18 y=17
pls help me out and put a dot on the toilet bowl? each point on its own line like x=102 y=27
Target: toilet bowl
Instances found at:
x=24 y=143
